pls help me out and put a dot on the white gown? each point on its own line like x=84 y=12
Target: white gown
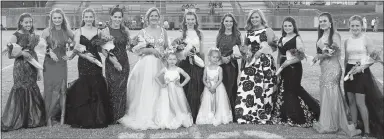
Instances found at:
x=215 y=108
x=172 y=109
x=143 y=90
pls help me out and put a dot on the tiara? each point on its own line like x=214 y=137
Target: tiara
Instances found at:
x=214 y=48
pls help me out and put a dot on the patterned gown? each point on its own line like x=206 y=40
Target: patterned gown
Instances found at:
x=257 y=80
x=117 y=80
x=293 y=105
x=25 y=105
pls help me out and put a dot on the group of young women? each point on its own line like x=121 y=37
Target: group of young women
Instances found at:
x=153 y=95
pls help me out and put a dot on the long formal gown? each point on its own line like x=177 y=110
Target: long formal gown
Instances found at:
x=332 y=103
x=225 y=44
x=257 y=80
x=172 y=109
x=195 y=86
x=293 y=104
x=25 y=105
x=117 y=80
x=55 y=73
x=365 y=83
x=88 y=102
x=142 y=89
x=215 y=107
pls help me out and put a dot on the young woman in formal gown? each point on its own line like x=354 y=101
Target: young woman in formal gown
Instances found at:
x=25 y=105
x=142 y=89
x=88 y=102
x=332 y=103
x=293 y=105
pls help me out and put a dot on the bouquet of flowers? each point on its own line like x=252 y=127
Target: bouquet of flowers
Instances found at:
x=179 y=44
x=83 y=50
x=105 y=42
x=330 y=50
x=366 y=60
x=139 y=42
x=292 y=54
x=34 y=42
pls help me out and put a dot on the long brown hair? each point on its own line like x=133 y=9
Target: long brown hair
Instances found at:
x=235 y=29
x=94 y=16
x=184 y=26
x=21 y=19
x=292 y=20
x=122 y=27
x=320 y=32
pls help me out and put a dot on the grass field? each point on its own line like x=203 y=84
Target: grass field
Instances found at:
x=310 y=82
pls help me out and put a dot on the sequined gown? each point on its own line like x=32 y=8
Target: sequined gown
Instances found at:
x=293 y=104
x=225 y=44
x=142 y=89
x=25 y=105
x=88 y=102
x=117 y=80
x=55 y=73
x=332 y=103
x=255 y=89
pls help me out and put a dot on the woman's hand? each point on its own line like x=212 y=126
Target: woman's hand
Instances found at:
x=118 y=66
x=357 y=70
x=53 y=56
x=65 y=58
x=39 y=75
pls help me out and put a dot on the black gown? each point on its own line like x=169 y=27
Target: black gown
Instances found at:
x=225 y=44
x=117 y=80
x=25 y=106
x=293 y=104
x=88 y=100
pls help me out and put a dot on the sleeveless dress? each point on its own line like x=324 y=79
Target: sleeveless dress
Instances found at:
x=117 y=80
x=195 y=86
x=142 y=89
x=225 y=44
x=293 y=104
x=365 y=83
x=25 y=105
x=332 y=104
x=172 y=109
x=215 y=108
x=257 y=79
x=55 y=73
x=88 y=102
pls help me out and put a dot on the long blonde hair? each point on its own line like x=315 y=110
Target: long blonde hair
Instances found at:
x=64 y=25
x=94 y=16
x=249 y=25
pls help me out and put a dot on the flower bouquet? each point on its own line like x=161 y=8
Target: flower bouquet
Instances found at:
x=366 y=60
x=179 y=45
x=291 y=54
x=330 y=50
x=83 y=50
x=138 y=43
x=195 y=59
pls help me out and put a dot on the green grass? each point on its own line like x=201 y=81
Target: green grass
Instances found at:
x=310 y=82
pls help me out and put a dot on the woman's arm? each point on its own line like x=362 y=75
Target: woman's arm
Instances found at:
x=201 y=51
x=205 y=78
x=186 y=76
x=13 y=39
x=300 y=48
x=271 y=39
x=166 y=43
x=158 y=76
x=370 y=49
x=345 y=53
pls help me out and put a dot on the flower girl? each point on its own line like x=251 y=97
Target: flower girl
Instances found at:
x=172 y=109
x=215 y=108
